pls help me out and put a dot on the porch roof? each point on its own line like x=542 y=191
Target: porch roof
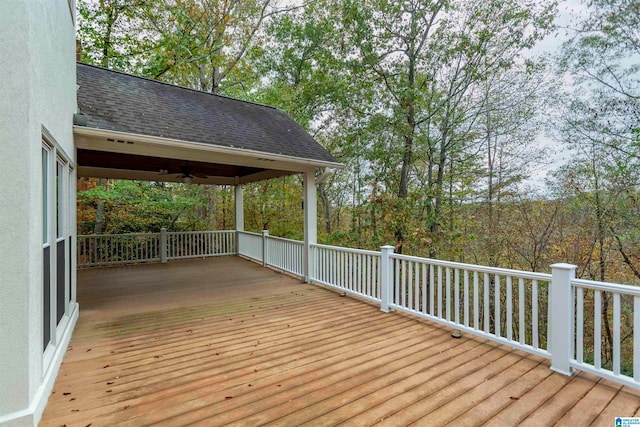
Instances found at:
x=133 y=127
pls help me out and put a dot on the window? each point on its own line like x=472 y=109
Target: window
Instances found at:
x=60 y=207
x=45 y=194
x=46 y=250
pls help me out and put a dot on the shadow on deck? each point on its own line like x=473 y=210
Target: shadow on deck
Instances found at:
x=224 y=341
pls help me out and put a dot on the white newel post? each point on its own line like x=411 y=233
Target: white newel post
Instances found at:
x=239 y=213
x=310 y=223
x=560 y=323
x=265 y=234
x=163 y=245
x=386 y=278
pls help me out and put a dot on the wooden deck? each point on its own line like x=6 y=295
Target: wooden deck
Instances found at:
x=223 y=341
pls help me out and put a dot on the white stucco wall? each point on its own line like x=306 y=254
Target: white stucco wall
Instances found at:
x=37 y=68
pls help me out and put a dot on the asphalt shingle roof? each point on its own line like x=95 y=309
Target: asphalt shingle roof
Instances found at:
x=126 y=103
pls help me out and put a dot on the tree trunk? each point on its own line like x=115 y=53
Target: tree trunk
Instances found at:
x=98 y=226
x=326 y=212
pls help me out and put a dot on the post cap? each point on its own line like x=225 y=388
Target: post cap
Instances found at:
x=563 y=266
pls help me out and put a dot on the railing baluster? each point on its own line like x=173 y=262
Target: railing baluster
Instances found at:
x=636 y=339
x=403 y=274
x=439 y=291
x=416 y=286
x=448 y=292
x=597 y=329
x=509 y=302
x=486 y=302
x=616 y=333
x=432 y=285
x=410 y=284
x=369 y=268
x=521 y=314
x=456 y=296
x=476 y=301
x=534 y=313
x=424 y=288
x=466 y=297
x=580 y=325
x=497 y=312
x=361 y=278
x=396 y=280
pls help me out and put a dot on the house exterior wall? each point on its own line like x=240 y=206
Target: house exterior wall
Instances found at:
x=37 y=67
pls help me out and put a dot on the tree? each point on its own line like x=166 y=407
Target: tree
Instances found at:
x=602 y=119
x=430 y=59
x=109 y=31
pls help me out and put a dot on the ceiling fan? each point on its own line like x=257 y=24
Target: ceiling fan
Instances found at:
x=185 y=175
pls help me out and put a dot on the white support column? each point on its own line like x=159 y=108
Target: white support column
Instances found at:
x=239 y=208
x=163 y=245
x=560 y=324
x=310 y=222
x=386 y=278
x=265 y=251
x=239 y=214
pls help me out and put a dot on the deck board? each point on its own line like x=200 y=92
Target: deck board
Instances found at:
x=223 y=341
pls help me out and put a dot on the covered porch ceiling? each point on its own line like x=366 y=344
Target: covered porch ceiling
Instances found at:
x=130 y=127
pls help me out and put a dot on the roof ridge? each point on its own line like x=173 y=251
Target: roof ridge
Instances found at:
x=178 y=86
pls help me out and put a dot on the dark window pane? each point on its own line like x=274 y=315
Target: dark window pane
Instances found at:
x=60 y=273
x=46 y=297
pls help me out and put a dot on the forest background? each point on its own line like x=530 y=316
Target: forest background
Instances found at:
x=437 y=108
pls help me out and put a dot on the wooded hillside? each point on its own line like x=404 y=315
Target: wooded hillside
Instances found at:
x=439 y=110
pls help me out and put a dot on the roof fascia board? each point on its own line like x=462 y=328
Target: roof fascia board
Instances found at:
x=303 y=164
x=94 y=172
x=260 y=176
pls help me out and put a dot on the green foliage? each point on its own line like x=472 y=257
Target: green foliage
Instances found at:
x=136 y=206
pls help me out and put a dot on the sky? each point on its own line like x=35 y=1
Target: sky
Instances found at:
x=569 y=12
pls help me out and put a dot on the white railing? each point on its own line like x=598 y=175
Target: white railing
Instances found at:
x=196 y=244
x=284 y=254
x=109 y=249
x=578 y=324
x=352 y=271
x=250 y=245
x=112 y=249
x=607 y=330
x=506 y=306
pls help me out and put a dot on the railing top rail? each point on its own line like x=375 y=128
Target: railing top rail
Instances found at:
x=343 y=249
x=250 y=233
x=118 y=235
x=282 y=239
x=478 y=268
x=172 y=233
x=609 y=287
